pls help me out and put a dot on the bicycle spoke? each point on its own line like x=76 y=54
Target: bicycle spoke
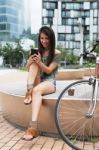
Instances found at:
x=78 y=129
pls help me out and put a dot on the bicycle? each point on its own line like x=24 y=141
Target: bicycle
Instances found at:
x=77 y=111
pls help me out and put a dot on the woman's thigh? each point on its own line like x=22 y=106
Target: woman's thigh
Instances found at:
x=45 y=87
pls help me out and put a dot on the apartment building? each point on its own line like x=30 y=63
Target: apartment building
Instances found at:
x=75 y=22
x=11 y=19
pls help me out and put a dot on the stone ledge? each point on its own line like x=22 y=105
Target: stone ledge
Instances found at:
x=14 y=110
x=70 y=74
x=89 y=71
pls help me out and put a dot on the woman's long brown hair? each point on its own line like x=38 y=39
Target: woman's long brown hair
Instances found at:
x=50 y=33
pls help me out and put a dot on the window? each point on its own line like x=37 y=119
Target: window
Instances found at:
x=94 y=5
x=77 y=45
x=2 y=26
x=50 y=13
x=69 y=6
x=87 y=14
x=70 y=37
x=64 y=6
x=44 y=20
x=86 y=37
x=7 y=18
x=76 y=5
x=47 y=21
x=75 y=13
x=10 y=3
x=76 y=29
x=61 y=37
x=65 y=13
x=63 y=21
x=50 y=5
x=94 y=36
x=95 y=21
x=69 y=21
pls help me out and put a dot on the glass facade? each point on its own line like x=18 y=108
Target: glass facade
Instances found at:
x=69 y=17
x=11 y=19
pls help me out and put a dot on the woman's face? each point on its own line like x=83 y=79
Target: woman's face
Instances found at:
x=44 y=40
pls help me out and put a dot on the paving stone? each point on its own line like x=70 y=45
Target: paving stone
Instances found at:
x=5 y=148
x=58 y=145
x=5 y=140
x=11 y=143
x=17 y=146
x=1 y=145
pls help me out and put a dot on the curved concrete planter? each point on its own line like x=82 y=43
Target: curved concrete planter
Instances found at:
x=70 y=74
x=89 y=71
x=16 y=112
x=19 y=114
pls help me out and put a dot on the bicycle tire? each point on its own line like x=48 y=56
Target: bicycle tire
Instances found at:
x=69 y=115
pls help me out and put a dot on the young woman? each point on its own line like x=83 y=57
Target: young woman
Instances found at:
x=42 y=68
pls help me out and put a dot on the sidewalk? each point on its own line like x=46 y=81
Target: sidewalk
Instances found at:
x=12 y=75
x=10 y=137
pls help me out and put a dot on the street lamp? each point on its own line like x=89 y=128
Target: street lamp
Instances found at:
x=81 y=39
x=23 y=58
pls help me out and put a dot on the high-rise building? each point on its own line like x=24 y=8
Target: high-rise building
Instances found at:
x=75 y=22
x=11 y=19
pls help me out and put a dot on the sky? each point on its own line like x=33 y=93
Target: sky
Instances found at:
x=35 y=13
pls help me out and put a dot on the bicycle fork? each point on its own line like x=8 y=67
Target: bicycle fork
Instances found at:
x=92 y=106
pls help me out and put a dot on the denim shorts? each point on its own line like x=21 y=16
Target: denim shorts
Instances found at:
x=53 y=81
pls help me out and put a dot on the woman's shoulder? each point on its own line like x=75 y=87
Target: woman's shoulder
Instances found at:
x=57 y=52
x=57 y=55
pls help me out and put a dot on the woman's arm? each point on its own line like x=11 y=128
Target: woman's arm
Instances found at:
x=51 y=67
x=47 y=69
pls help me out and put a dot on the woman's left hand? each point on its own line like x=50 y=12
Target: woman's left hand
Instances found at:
x=37 y=58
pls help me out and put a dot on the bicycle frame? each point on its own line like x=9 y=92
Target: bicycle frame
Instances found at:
x=92 y=107
x=95 y=82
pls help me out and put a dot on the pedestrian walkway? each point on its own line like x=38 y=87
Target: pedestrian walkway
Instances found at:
x=11 y=137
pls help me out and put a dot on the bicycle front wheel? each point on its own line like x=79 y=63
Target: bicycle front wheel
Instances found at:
x=78 y=129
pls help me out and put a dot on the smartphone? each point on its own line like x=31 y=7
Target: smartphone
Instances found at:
x=34 y=51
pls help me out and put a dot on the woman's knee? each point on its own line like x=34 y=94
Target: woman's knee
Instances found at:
x=37 y=90
x=33 y=66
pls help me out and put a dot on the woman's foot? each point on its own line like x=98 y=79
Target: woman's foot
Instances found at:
x=28 y=97
x=30 y=134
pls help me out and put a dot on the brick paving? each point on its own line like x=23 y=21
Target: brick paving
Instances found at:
x=11 y=137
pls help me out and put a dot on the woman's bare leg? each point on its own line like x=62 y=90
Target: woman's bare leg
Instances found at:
x=32 y=80
x=38 y=91
x=33 y=71
x=45 y=87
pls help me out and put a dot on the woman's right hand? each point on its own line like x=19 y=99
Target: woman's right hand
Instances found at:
x=29 y=61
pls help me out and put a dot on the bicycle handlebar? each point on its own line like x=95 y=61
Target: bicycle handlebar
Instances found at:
x=89 y=54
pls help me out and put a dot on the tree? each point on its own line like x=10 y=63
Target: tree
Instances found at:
x=67 y=55
x=14 y=56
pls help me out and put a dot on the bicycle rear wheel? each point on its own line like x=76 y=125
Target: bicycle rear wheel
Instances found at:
x=78 y=129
